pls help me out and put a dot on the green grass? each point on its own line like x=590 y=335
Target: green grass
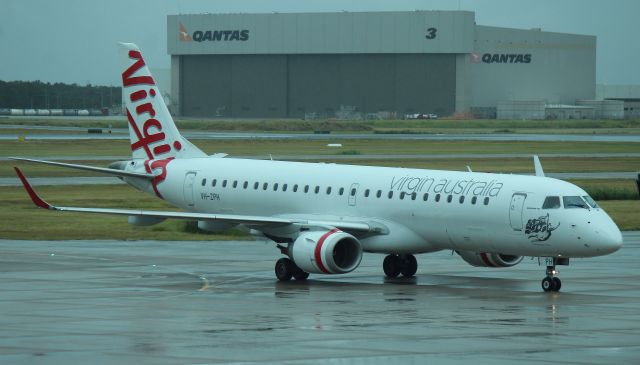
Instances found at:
x=505 y=165
x=20 y=219
x=296 y=147
x=626 y=213
x=495 y=165
x=367 y=126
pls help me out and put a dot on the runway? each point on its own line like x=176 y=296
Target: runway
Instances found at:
x=149 y=302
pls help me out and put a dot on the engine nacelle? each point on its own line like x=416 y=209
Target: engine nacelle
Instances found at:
x=326 y=252
x=214 y=227
x=484 y=259
x=142 y=221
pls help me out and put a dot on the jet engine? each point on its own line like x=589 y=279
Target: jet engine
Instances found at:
x=485 y=259
x=326 y=252
x=142 y=221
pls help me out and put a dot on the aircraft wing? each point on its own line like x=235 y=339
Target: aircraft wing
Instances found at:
x=103 y=170
x=364 y=227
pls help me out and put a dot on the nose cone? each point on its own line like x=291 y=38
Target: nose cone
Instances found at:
x=609 y=239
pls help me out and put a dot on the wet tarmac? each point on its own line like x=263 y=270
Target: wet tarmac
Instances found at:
x=151 y=302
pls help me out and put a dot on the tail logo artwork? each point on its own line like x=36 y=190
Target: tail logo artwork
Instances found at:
x=151 y=139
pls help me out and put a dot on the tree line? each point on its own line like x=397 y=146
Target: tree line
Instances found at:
x=41 y=95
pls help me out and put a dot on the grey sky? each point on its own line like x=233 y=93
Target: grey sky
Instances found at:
x=75 y=40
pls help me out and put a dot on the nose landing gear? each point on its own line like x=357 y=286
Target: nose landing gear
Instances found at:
x=551 y=282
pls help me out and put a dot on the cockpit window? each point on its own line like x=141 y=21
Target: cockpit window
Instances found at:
x=571 y=202
x=551 y=202
x=590 y=201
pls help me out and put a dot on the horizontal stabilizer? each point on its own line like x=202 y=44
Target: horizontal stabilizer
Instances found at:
x=102 y=170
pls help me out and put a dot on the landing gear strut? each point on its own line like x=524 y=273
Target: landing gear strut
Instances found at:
x=394 y=265
x=551 y=282
x=286 y=269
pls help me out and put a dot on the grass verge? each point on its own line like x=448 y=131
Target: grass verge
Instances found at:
x=254 y=147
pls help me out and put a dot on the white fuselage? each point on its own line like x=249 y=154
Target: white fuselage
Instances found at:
x=424 y=210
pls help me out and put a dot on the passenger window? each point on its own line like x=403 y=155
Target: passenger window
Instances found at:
x=551 y=202
x=461 y=199
x=284 y=187
x=437 y=197
x=449 y=198
x=402 y=194
x=256 y=185
x=379 y=194
x=295 y=188
x=474 y=200
x=275 y=187
x=246 y=183
x=425 y=197
x=213 y=182
x=413 y=195
x=486 y=201
x=317 y=189
x=571 y=202
x=204 y=182
x=341 y=191
x=306 y=189
x=265 y=186
x=224 y=183
x=235 y=183
x=366 y=193
x=390 y=194
x=353 y=192
x=328 y=190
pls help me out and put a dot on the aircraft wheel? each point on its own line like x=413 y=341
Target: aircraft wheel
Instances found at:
x=392 y=265
x=298 y=274
x=409 y=266
x=284 y=269
x=548 y=284
x=557 y=284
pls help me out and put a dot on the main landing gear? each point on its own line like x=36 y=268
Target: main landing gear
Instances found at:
x=394 y=265
x=551 y=282
x=287 y=269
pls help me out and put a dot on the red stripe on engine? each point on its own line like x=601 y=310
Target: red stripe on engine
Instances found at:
x=317 y=255
x=485 y=259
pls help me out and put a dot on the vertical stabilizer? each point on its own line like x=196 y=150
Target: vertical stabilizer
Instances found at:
x=153 y=133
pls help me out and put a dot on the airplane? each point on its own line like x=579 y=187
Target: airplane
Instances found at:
x=323 y=216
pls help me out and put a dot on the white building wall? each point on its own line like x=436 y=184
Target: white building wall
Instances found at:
x=560 y=71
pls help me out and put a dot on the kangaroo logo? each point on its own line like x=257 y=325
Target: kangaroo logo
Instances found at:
x=183 y=34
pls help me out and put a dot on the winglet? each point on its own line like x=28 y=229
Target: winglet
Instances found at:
x=538 y=166
x=32 y=194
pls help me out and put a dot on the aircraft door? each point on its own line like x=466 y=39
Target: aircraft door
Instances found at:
x=515 y=210
x=189 y=179
x=353 y=191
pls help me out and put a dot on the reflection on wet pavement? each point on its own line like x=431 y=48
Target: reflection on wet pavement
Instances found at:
x=214 y=302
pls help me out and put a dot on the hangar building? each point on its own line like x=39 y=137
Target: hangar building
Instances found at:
x=296 y=64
